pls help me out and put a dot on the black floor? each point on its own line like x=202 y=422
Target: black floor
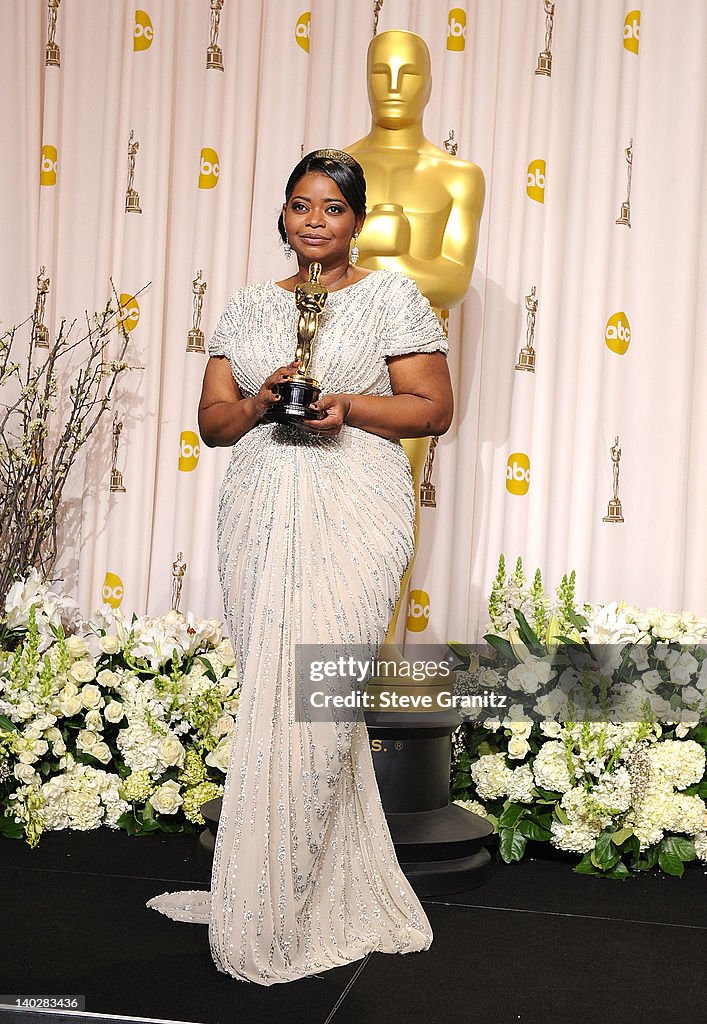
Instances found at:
x=537 y=944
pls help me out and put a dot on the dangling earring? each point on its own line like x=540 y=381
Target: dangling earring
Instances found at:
x=354 y=251
x=287 y=248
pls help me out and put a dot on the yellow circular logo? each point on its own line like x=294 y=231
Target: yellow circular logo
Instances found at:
x=209 y=169
x=617 y=333
x=128 y=312
x=535 y=183
x=418 y=610
x=456 y=29
x=143 y=33
x=632 y=31
x=189 y=449
x=518 y=473
x=302 y=30
x=48 y=168
x=112 y=590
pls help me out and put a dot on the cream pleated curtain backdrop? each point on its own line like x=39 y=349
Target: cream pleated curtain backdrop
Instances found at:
x=618 y=316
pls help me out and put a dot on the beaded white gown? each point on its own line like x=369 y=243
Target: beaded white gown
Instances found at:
x=314 y=535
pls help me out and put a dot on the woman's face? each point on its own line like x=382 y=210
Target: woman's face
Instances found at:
x=318 y=220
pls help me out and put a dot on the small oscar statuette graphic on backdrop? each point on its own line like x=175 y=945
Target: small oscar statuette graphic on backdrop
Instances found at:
x=132 y=199
x=428 y=495
x=450 y=145
x=625 y=215
x=53 y=56
x=526 y=356
x=214 y=53
x=195 y=338
x=614 y=513
x=179 y=568
x=40 y=333
x=545 y=56
x=116 y=477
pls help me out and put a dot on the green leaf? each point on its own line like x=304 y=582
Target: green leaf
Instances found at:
x=684 y=848
x=6 y=725
x=669 y=860
x=462 y=781
x=577 y=620
x=511 y=844
x=621 y=836
x=210 y=674
x=561 y=815
x=526 y=632
x=531 y=830
x=510 y=815
x=462 y=651
x=620 y=871
x=501 y=645
x=605 y=855
x=585 y=866
x=11 y=829
x=547 y=794
x=648 y=860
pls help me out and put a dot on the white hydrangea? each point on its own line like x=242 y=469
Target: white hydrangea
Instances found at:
x=520 y=785
x=701 y=845
x=577 y=837
x=551 y=769
x=81 y=798
x=613 y=790
x=472 y=805
x=680 y=763
x=491 y=776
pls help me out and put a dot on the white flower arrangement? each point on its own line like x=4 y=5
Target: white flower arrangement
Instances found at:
x=119 y=723
x=604 y=754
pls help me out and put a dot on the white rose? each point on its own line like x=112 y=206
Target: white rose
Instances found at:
x=225 y=652
x=25 y=708
x=70 y=707
x=171 y=752
x=651 y=680
x=86 y=740
x=91 y=696
x=224 y=725
x=522 y=729
x=101 y=751
x=69 y=690
x=94 y=720
x=114 y=711
x=25 y=773
x=107 y=678
x=110 y=644
x=220 y=756
x=82 y=671
x=167 y=799
x=58 y=747
x=552 y=729
x=518 y=747
x=77 y=646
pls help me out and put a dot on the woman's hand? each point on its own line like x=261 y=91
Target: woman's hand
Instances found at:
x=266 y=397
x=336 y=409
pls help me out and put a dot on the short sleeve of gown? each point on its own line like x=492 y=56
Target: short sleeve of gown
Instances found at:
x=221 y=342
x=411 y=325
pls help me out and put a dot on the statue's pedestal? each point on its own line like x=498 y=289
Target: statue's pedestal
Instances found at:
x=440 y=846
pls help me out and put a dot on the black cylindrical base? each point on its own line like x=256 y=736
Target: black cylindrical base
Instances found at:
x=296 y=398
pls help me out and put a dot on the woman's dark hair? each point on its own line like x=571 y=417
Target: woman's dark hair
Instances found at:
x=341 y=168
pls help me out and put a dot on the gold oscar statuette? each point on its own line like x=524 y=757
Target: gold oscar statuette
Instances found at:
x=52 y=54
x=179 y=568
x=116 y=477
x=40 y=333
x=132 y=199
x=615 y=513
x=450 y=144
x=214 y=53
x=300 y=389
x=526 y=356
x=625 y=215
x=424 y=204
x=195 y=338
x=545 y=56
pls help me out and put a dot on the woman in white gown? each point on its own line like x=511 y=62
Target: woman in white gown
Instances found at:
x=315 y=531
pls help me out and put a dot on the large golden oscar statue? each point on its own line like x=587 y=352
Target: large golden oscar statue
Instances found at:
x=423 y=213
x=424 y=206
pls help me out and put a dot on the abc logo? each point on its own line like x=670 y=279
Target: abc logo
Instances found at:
x=112 y=590
x=535 y=185
x=188 y=451
x=128 y=312
x=456 y=29
x=444 y=320
x=518 y=473
x=48 y=171
x=143 y=34
x=209 y=172
x=302 y=30
x=617 y=333
x=418 y=610
x=632 y=31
